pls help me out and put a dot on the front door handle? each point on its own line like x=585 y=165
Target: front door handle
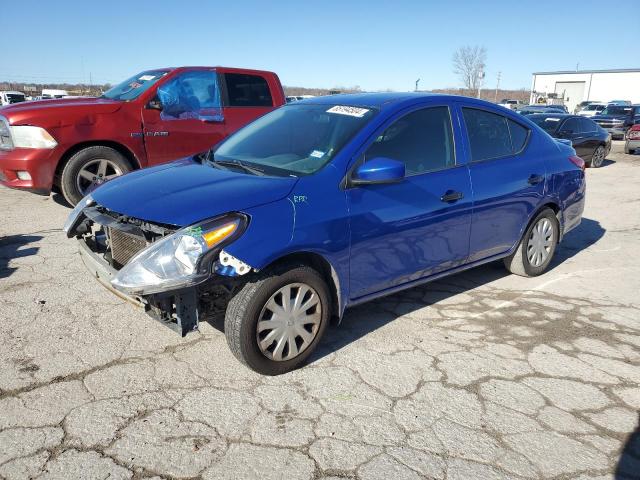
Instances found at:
x=535 y=179
x=450 y=196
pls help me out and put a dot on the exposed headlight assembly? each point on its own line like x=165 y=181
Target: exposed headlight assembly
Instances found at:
x=181 y=259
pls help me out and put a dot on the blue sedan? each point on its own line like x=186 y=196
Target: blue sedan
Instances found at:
x=327 y=203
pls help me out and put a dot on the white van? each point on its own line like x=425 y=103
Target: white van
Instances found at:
x=7 y=98
x=49 y=93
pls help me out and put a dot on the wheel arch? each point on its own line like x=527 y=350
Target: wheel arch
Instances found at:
x=71 y=151
x=322 y=266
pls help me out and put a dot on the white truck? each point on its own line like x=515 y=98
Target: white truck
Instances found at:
x=511 y=104
x=9 y=97
x=49 y=93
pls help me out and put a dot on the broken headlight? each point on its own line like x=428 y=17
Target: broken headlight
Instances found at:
x=179 y=260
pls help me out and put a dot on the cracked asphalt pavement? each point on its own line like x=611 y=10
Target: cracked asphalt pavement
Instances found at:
x=482 y=375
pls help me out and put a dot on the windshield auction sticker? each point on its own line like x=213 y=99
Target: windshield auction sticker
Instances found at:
x=351 y=111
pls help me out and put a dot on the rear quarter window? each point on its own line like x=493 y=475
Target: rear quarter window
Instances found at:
x=247 y=90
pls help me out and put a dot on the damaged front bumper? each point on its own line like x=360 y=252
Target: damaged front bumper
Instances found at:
x=177 y=310
x=108 y=241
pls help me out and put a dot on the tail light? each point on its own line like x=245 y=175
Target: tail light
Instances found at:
x=577 y=161
x=634 y=133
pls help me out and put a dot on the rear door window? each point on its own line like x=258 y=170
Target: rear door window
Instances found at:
x=587 y=125
x=247 y=90
x=492 y=135
x=571 y=126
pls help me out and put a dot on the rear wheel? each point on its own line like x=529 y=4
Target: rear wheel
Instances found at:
x=597 y=158
x=537 y=246
x=88 y=169
x=629 y=151
x=275 y=322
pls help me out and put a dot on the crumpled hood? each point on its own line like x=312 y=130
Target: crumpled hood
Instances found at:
x=184 y=192
x=25 y=112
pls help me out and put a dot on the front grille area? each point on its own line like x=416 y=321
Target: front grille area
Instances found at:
x=124 y=245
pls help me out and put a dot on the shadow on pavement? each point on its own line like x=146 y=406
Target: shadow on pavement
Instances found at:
x=582 y=237
x=355 y=325
x=11 y=247
x=628 y=467
x=606 y=163
x=59 y=199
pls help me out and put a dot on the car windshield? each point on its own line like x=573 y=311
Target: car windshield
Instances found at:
x=616 y=110
x=296 y=139
x=548 y=123
x=594 y=106
x=133 y=87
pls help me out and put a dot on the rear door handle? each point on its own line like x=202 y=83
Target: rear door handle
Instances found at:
x=535 y=179
x=450 y=196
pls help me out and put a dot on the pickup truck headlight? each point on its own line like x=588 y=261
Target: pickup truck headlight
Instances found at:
x=26 y=136
x=179 y=260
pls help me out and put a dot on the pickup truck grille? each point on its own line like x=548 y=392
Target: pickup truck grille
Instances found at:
x=610 y=123
x=124 y=245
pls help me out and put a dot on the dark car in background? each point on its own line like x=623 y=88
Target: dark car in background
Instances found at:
x=532 y=109
x=590 y=141
x=616 y=119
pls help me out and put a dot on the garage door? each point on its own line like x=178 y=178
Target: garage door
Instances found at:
x=573 y=93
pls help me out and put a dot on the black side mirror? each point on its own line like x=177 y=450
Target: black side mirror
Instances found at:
x=154 y=104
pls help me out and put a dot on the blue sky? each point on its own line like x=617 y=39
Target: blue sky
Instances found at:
x=373 y=44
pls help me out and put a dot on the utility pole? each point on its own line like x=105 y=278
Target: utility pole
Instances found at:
x=417 y=81
x=495 y=98
x=480 y=78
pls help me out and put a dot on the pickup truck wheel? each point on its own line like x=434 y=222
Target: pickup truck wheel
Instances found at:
x=88 y=169
x=276 y=320
x=537 y=246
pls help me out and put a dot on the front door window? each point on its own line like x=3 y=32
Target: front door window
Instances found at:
x=191 y=95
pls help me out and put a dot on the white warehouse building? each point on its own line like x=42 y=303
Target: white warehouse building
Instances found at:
x=574 y=87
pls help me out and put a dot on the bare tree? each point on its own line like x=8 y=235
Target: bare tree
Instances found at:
x=468 y=62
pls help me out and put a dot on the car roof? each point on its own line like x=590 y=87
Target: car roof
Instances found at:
x=386 y=99
x=555 y=115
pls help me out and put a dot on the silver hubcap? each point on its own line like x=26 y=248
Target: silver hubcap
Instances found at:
x=598 y=157
x=95 y=173
x=540 y=242
x=289 y=322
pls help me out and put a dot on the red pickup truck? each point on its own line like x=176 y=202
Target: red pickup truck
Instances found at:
x=153 y=117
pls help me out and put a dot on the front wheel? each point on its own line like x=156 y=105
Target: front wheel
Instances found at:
x=275 y=322
x=88 y=169
x=537 y=246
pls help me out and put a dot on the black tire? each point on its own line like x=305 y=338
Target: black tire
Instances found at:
x=518 y=262
x=598 y=157
x=244 y=309
x=86 y=156
x=629 y=151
